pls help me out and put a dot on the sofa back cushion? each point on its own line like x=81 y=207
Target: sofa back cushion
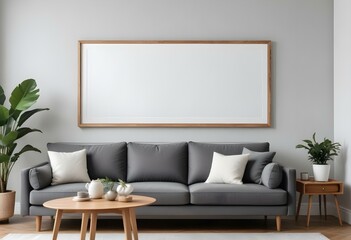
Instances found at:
x=200 y=156
x=255 y=165
x=167 y=162
x=103 y=160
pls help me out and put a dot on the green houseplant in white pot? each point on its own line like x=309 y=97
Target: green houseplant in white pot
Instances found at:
x=319 y=154
x=12 y=119
x=108 y=183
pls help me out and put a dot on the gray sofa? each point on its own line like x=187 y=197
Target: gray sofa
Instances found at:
x=173 y=173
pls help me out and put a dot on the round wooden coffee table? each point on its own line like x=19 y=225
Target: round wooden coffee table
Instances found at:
x=95 y=206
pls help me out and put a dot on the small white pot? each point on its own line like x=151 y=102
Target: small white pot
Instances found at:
x=321 y=172
x=111 y=195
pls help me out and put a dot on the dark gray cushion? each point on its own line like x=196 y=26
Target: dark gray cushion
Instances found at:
x=38 y=197
x=166 y=193
x=254 y=167
x=167 y=162
x=272 y=175
x=200 y=156
x=40 y=177
x=236 y=194
x=103 y=160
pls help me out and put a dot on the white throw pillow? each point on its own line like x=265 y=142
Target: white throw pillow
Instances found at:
x=69 y=167
x=227 y=169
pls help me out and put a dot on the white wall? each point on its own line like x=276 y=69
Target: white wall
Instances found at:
x=39 y=40
x=342 y=98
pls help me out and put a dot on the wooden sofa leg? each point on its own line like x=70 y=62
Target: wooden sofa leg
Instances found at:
x=278 y=223
x=38 y=223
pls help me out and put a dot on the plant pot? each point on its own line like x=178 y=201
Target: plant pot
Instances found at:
x=111 y=195
x=321 y=172
x=7 y=205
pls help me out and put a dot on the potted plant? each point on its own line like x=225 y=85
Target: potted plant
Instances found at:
x=111 y=194
x=11 y=130
x=319 y=154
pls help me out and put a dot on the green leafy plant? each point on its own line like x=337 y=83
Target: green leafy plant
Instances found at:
x=11 y=125
x=107 y=182
x=320 y=153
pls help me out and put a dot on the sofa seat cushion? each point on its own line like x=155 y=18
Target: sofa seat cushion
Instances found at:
x=38 y=197
x=166 y=193
x=234 y=194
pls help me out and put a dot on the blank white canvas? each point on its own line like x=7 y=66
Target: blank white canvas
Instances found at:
x=174 y=83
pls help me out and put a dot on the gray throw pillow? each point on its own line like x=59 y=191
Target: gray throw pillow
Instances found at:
x=272 y=175
x=40 y=177
x=254 y=167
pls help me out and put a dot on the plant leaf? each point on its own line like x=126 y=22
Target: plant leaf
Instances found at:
x=4 y=115
x=309 y=142
x=12 y=148
x=24 y=131
x=15 y=113
x=28 y=114
x=4 y=158
x=24 y=95
x=8 y=139
x=301 y=146
x=26 y=148
x=2 y=96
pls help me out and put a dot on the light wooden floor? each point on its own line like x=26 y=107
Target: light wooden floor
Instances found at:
x=330 y=227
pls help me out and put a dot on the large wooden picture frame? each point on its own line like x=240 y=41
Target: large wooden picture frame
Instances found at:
x=174 y=83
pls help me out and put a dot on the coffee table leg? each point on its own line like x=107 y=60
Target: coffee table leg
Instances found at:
x=134 y=223
x=93 y=220
x=126 y=224
x=57 y=223
x=83 y=229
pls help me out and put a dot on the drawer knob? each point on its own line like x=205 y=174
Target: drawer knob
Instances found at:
x=323 y=188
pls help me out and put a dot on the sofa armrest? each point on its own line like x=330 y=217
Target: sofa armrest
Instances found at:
x=289 y=184
x=26 y=188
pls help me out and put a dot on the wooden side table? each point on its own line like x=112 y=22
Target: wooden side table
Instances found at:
x=311 y=188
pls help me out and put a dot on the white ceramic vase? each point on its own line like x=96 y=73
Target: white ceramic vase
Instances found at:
x=95 y=189
x=321 y=172
x=111 y=195
x=125 y=190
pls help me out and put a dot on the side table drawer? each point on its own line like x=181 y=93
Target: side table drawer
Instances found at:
x=323 y=188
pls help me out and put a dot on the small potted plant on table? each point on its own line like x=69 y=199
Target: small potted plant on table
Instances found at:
x=111 y=194
x=319 y=154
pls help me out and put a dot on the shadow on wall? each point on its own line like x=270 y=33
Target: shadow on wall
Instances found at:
x=340 y=163
x=340 y=173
